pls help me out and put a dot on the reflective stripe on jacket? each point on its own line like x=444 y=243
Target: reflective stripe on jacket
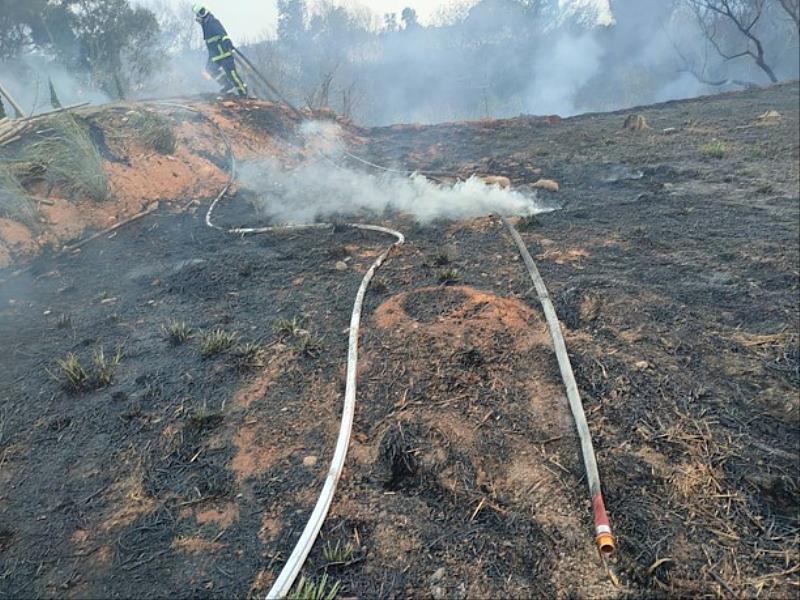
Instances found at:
x=216 y=38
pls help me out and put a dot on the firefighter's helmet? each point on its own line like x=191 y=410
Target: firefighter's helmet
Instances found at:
x=200 y=12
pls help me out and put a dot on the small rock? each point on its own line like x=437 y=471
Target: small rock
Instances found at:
x=309 y=461
x=437 y=576
x=499 y=180
x=438 y=592
x=642 y=364
x=636 y=123
x=550 y=185
x=771 y=116
x=341 y=265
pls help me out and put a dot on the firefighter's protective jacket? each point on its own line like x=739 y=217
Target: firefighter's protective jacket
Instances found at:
x=217 y=41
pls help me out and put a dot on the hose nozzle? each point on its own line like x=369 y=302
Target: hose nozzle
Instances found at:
x=605 y=543
x=602 y=528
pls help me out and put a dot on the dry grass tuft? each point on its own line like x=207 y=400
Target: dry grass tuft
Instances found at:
x=177 y=332
x=154 y=131
x=309 y=589
x=216 y=341
x=716 y=149
x=104 y=367
x=64 y=156
x=14 y=201
x=74 y=376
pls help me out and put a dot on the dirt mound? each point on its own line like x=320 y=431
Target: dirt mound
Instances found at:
x=192 y=166
x=462 y=315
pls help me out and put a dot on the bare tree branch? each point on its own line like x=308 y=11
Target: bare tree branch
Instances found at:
x=744 y=15
x=700 y=74
x=792 y=8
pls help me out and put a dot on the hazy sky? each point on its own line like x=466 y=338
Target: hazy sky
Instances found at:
x=251 y=18
x=248 y=19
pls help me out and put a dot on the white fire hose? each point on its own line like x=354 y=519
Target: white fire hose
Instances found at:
x=294 y=564
x=291 y=568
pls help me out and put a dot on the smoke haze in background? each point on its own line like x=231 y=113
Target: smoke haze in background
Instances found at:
x=27 y=81
x=468 y=59
x=558 y=76
x=323 y=189
x=502 y=58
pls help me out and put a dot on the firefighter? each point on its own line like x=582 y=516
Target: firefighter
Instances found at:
x=221 y=63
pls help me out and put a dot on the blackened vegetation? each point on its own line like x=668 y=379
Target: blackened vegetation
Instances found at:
x=678 y=296
x=441 y=489
x=427 y=305
x=398 y=452
x=685 y=279
x=187 y=469
x=141 y=457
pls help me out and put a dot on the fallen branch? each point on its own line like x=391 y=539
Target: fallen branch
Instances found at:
x=14 y=104
x=82 y=243
x=56 y=111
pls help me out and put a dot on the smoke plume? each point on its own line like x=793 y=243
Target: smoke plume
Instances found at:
x=326 y=187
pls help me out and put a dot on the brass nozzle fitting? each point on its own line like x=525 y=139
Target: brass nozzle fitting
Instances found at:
x=605 y=543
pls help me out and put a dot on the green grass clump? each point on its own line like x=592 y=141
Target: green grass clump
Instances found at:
x=64 y=156
x=177 y=332
x=449 y=276
x=338 y=553
x=309 y=589
x=105 y=367
x=154 y=131
x=99 y=374
x=289 y=328
x=715 y=149
x=73 y=374
x=216 y=341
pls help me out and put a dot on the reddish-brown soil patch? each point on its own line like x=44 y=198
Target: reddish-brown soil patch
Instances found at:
x=448 y=312
x=254 y=451
x=196 y=545
x=223 y=515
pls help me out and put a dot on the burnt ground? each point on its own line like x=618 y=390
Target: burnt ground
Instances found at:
x=676 y=277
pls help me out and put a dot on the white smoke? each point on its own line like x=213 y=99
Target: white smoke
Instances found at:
x=27 y=80
x=571 y=64
x=323 y=188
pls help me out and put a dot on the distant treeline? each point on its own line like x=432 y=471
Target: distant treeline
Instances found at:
x=488 y=58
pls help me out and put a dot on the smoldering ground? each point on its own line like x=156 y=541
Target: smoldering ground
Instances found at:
x=328 y=187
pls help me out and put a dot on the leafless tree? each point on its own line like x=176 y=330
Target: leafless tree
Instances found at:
x=730 y=27
x=792 y=7
x=319 y=96
x=698 y=67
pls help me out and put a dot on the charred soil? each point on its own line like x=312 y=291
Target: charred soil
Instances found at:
x=189 y=465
